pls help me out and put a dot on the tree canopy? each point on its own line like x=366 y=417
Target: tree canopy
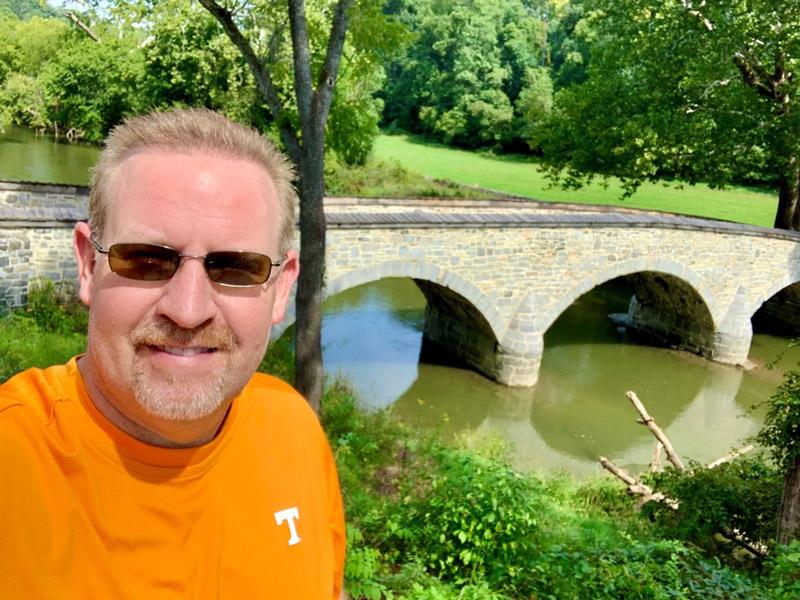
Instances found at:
x=54 y=77
x=703 y=91
x=474 y=72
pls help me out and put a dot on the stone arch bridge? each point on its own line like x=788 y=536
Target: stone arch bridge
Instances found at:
x=496 y=275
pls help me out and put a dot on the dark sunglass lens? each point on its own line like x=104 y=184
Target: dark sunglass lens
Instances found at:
x=238 y=268
x=143 y=261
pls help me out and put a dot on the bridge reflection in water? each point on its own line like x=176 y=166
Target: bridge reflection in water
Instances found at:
x=577 y=410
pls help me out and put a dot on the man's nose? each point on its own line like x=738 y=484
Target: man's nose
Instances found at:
x=188 y=297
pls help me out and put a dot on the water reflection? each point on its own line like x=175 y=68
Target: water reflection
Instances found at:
x=578 y=410
x=25 y=156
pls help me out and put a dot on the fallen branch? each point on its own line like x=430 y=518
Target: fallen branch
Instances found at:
x=729 y=457
x=647 y=494
x=650 y=423
x=655 y=464
x=636 y=487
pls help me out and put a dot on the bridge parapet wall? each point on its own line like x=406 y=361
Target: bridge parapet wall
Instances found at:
x=36 y=222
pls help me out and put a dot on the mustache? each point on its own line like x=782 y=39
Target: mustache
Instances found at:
x=163 y=332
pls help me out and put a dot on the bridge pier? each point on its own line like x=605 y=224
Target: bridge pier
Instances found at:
x=732 y=338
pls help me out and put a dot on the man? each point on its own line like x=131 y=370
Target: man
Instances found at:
x=157 y=465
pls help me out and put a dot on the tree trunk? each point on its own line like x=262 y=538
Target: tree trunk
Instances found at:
x=306 y=148
x=309 y=372
x=789 y=514
x=788 y=214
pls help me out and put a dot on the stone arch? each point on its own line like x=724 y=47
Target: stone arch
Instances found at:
x=779 y=307
x=631 y=267
x=423 y=272
x=461 y=323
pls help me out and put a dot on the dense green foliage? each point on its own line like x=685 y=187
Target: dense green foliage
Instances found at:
x=742 y=496
x=54 y=77
x=438 y=522
x=50 y=330
x=25 y=9
x=473 y=74
x=433 y=522
x=384 y=179
x=700 y=91
x=781 y=430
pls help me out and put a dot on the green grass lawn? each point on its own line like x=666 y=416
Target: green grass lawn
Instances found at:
x=520 y=176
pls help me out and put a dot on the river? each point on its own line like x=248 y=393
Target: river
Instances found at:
x=575 y=413
x=578 y=409
x=25 y=156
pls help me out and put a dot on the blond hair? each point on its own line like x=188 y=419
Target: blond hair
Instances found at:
x=191 y=130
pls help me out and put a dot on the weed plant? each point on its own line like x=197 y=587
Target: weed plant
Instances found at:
x=49 y=330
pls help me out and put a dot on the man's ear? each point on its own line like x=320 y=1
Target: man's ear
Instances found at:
x=85 y=257
x=283 y=285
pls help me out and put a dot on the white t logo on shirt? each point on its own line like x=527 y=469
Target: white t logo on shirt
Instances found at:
x=289 y=515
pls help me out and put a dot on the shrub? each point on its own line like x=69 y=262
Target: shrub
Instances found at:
x=55 y=309
x=741 y=495
x=467 y=519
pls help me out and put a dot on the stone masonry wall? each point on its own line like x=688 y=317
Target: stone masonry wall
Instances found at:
x=36 y=223
x=512 y=267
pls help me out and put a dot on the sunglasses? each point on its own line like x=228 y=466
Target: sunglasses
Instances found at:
x=151 y=262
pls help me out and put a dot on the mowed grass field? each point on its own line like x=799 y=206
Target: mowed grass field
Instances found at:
x=520 y=176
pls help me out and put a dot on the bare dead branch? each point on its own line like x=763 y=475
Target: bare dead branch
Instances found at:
x=690 y=9
x=81 y=25
x=650 y=423
x=737 y=538
x=636 y=487
x=729 y=457
x=655 y=463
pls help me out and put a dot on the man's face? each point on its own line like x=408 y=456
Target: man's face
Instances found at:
x=167 y=354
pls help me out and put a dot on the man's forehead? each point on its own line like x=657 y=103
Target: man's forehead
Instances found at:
x=212 y=184
x=165 y=167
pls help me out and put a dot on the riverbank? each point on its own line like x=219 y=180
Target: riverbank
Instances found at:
x=435 y=521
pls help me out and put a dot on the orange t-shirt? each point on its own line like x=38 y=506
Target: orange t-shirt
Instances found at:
x=87 y=511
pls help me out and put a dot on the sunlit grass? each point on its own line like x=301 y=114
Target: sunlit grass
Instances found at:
x=520 y=176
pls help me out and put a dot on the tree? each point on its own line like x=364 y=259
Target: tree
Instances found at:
x=56 y=78
x=259 y=33
x=25 y=9
x=781 y=435
x=90 y=86
x=470 y=63
x=703 y=91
